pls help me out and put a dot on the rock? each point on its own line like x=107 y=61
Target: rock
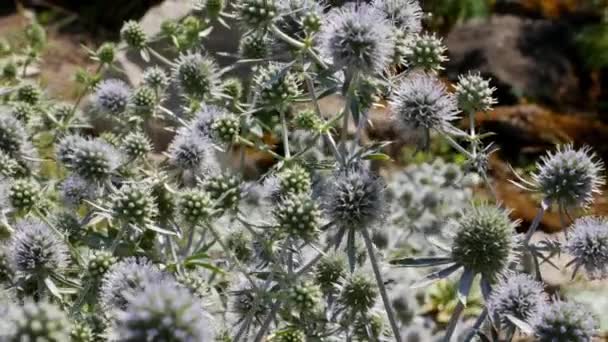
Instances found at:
x=524 y=57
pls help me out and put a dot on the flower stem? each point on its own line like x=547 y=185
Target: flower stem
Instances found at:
x=381 y=287
x=273 y=311
x=285 y=135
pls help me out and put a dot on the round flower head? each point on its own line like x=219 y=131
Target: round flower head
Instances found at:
x=8 y=165
x=225 y=189
x=298 y=215
x=196 y=75
x=517 y=295
x=358 y=293
x=194 y=206
x=22 y=111
x=564 y=322
x=287 y=335
x=106 y=53
x=226 y=128
x=24 y=194
x=95 y=160
x=164 y=312
x=245 y=296
x=191 y=151
x=329 y=271
x=112 y=96
x=125 y=279
x=205 y=117
x=256 y=14
x=254 y=45
x=426 y=51
x=143 y=100
x=294 y=180
x=303 y=297
x=569 y=177
x=358 y=38
x=41 y=321
x=133 y=34
x=474 y=93
x=75 y=189
x=29 y=93
x=66 y=148
x=421 y=100
x=99 y=263
x=13 y=136
x=134 y=204
x=81 y=332
x=367 y=325
x=136 y=145
x=588 y=244
x=275 y=86
x=36 y=251
x=484 y=240
x=354 y=199
x=406 y=15
x=156 y=78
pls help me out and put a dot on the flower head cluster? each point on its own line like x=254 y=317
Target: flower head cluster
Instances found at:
x=276 y=85
x=474 y=93
x=112 y=97
x=197 y=75
x=191 y=151
x=564 y=321
x=588 y=245
x=426 y=51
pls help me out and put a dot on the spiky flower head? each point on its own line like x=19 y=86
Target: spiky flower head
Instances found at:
x=100 y=262
x=24 y=194
x=287 y=335
x=136 y=145
x=484 y=240
x=421 y=100
x=133 y=203
x=165 y=199
x=303 y=297
x=298 y=215
x=588 y=244
x=369 y=324
x=357 y=38
x=134 y=35
x=358 y=293
x=225 y=189
x=36 y=251
x=81 y=332
x=143 y=100
x=23 y=111
x=156 y=78
x=405 y=15
x=564 y=322
x=40 y=321
x=474 y=93
x=13 y=136
x=95 y=160
x=426 y=51
x=256 y=14
x=125 y=279
x=308 y=120
x=254 y=45
x=329 y=271
x=354 y=198
x=112 y=96
x=226 y=128
x=75 y=189
x=29 y=93
x=197 y=75
x=191 y=151
x=516 y=295
x=8 y=165
x=164 y=312
x=233 y=87
x=66 y=148
x=106 y=53
x=194 y=206
x=294 y=179
x=569 y=177
x=276 y=86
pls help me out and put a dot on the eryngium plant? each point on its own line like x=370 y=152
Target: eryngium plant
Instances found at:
x=128 y=240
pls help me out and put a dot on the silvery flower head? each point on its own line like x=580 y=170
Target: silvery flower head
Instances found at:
x=156 y=78
x=358 y=38
x=474 y=93
x=127 y=278
x=516 y=295
x=421 y=100
x=569 y=177
x=40 y=321
x=354 y=198
x=256 y=14
x=204 y=118
x=112 y=96
x=95 y=159
x=67 y=146
x=588 y=245
x=405 y=15
x=13 y=136
x=276 y=86
x=564 y=322
x=191 y=151
x=164 y=312
x=75 y=189
x=197 y=75
x=36 y=250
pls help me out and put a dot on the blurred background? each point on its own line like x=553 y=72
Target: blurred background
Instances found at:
x=548 y=60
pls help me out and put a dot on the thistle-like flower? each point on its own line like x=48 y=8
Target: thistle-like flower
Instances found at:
x=276 y=86
x=358 y=293
x=303 y=297
x=197 y=75
x=75 y=189
x=194 y=206
x=81 y=332
x=23 y=111
x=354 y=198
x=124 y=280
x=41 y=321
x=29 y=93
x=24 y=194
x=156 y=78
x=212 y=8
x=94 y=160
x=136 y=145
x=164 y=312
x=474 y=93
x=133 y=34
x=569 y=177
x=100 y=262
x=134 y=204
x=294 y=180
x=564 y=322
x=191 y=151
x=225 y=189
x=143 y=100
x=297 y=19
x=518 y=296
x=298 y=215
x=35 y=251
x=426 y=51
x=255 y=45
x=13 y=136
x=112 y=96
x=421 y=100
x=226 y=128
x=357 y=38
x=329 y=272
x=588 y=244
x=405 y=15
x=256 y=14
x=106 y=53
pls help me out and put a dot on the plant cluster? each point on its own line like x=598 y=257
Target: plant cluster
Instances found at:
x=108 y=239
